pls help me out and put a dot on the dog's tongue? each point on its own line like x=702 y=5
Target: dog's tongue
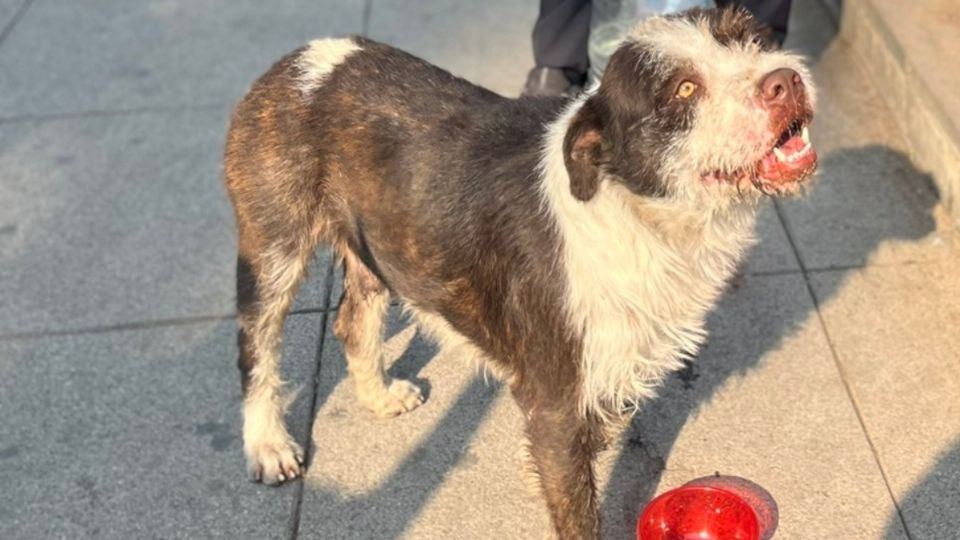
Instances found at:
x=793 y=145
x=795 y=159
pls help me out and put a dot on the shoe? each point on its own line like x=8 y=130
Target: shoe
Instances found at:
x=548 y=81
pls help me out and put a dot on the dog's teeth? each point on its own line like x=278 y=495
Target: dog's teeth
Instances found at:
x=805 y=135
x=780 y=155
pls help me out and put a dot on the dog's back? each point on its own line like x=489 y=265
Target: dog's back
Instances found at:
x=397 y=164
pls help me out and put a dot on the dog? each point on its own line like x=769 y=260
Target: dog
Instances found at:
x=577 y=244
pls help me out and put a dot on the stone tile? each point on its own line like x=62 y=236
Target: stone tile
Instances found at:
x=764 y=401
x=895 y=332
x=8 y=10
x=67 y=56
x=773 y=252
x=449 y=469
x=109 y=220
x=488 y=43
x=136 y=434
x=871 y=205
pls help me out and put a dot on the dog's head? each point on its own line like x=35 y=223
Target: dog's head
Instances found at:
x=695 y=105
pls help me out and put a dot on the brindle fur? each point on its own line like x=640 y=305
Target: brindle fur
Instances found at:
x=428 y=187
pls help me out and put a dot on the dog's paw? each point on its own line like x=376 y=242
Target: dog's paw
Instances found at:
x=400 y=396
x=275 y=462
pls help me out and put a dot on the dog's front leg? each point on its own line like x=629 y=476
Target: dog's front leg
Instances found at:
x=562 y=446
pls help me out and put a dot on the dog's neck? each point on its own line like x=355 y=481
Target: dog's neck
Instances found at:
x=694 y=228
x=642 y=274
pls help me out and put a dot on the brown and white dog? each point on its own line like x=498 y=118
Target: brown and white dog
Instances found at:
x=577 y=245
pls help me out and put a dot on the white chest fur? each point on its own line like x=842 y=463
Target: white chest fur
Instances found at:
x=641 y=278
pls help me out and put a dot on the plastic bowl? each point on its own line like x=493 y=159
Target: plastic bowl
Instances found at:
x=712 y=508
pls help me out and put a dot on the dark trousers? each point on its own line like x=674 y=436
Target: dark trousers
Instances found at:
x=563 y=26
x=560 y=36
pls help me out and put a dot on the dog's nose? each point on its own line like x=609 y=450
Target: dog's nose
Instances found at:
x=781 y=87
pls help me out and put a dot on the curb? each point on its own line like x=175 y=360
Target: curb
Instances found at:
x=933 y=137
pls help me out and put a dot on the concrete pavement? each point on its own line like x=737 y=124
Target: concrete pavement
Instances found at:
x=831 y=376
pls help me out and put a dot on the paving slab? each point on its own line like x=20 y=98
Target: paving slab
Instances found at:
x=773 y=252
x=763 y=401
x=136 y=434
x=895 y=332
x=426 y=474
x=488 y=43
x=9 y=10
x=871 y=205
x=67 y=56
x=113 y=219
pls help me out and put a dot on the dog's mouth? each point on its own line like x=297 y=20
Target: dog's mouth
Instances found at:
x=791 y=160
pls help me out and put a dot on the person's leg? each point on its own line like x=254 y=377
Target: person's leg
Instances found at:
x=559 y=47
x=560 y=35
x=773 y=13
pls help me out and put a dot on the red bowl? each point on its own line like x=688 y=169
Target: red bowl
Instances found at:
x=712 y=508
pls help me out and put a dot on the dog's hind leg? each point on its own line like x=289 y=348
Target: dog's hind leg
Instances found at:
x=360 y=327
x=267 y=280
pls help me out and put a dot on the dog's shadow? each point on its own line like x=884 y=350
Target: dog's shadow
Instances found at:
x=404 y=483
x=756 y=316
x=931 y=505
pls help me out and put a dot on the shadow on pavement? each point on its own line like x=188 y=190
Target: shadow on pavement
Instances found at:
x=389 y=510
x=931 y=506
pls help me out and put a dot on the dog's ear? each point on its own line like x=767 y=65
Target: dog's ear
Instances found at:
x=583 y=150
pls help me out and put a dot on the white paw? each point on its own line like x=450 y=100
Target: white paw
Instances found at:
x=400 y=397
x=273 y=462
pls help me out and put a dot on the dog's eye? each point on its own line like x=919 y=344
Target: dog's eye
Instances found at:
x=686 y=89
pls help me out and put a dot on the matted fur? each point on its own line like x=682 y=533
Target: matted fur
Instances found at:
x=620 y=254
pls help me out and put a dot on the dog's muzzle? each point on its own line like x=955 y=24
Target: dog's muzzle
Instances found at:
x=792 y=158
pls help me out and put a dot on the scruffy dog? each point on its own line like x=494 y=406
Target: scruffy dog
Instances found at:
x=578 y=245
